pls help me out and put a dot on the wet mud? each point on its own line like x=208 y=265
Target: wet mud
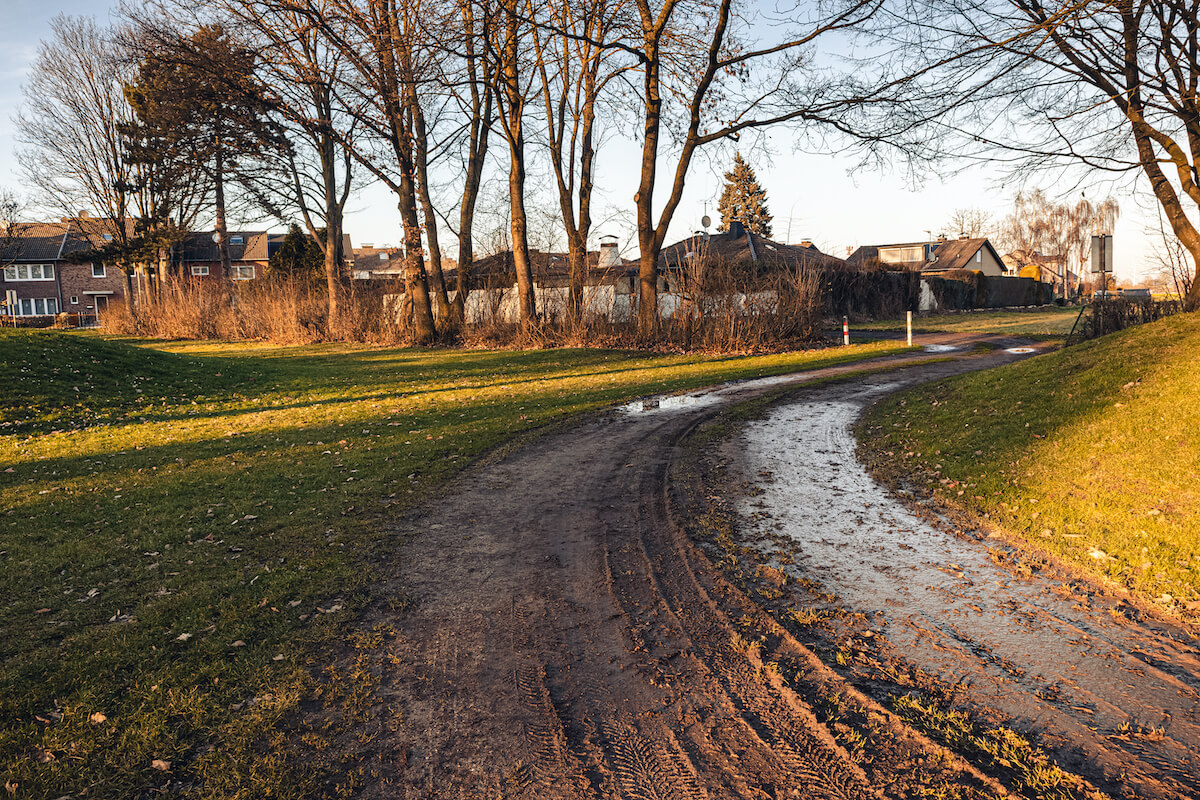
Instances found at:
x=1115 y=696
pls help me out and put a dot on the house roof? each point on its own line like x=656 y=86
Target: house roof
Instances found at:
x=744 y=249
x=958 y=254
x=255 y=246
x=53 y=241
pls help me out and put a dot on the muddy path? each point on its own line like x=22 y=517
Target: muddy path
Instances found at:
x=555 y=633
x=1111 y=691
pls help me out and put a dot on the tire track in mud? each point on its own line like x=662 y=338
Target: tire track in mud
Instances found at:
x=567 y=640
x=1113 y=695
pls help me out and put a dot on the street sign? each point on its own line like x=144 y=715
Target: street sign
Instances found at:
x=1102 y=254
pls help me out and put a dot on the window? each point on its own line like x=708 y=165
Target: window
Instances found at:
x=98 y=271
x=978 y=256
x=243 y=272
x=200 y=269
x=236 y=240
x=37 y=306
x=29 y=272
x=74 y=300
x=107 y=237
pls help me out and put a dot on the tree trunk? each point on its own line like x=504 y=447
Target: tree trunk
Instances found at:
x=513 y=111
x=428 y=211
x=219 y=212
x=416 y=283
x=130 y=306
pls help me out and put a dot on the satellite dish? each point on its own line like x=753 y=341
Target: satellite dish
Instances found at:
x=217 y=238
x=705 y=221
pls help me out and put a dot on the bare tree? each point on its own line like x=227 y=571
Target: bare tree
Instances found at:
x=1173 y=259
x=701 y=66
x=509 y=36
x=1056 y=236
x=70 y=124
x=972 y=222
x=1079 y=86
x=574 y=69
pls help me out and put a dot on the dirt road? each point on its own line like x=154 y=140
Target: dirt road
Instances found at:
x=566 y=639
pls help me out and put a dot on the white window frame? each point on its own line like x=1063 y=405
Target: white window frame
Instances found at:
x=978 y=256
x=239 y=272
x=199 y=269
x=36 y=307
x=24 y=272
x=103 y=273
x=74 y=300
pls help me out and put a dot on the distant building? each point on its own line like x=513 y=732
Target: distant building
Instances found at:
x=943 y=255
x=46 y=283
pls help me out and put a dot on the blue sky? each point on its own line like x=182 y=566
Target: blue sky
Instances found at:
x=810 y=196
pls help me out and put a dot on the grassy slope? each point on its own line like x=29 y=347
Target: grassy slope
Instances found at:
x=1049 y=322
x=183 y=527
x=1092 y=453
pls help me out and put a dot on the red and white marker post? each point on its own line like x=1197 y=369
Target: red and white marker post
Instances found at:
x=845 y=330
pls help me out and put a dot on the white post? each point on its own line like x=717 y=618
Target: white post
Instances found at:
x=910 y=329
x=845 y=330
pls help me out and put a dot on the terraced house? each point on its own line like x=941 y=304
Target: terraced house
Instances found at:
x=43 y=280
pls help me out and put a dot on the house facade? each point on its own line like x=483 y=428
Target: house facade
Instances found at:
x=45 y=281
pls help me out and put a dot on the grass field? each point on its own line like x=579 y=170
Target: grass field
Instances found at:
x=186 y=527
x=1092 y=453
x=1046 y=322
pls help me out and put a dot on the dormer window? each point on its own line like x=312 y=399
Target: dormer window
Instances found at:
x=107 y=237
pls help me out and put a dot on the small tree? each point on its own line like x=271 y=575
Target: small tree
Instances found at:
x=744 y=200
x=299 y=256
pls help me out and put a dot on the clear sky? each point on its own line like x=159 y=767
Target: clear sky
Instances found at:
x=811 y=197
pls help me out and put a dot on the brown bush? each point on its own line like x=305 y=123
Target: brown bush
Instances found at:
x=723 y=309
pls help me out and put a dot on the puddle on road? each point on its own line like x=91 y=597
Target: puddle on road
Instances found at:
x=1020 y=350
x=940 y=348
x=705 y=397
x=948 y=608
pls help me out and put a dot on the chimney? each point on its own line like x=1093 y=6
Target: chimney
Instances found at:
x=806 y=243
x=736 y=229
x=941 y=238
x=609 y=257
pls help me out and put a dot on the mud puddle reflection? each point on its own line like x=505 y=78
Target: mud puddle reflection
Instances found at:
x=1123 y=695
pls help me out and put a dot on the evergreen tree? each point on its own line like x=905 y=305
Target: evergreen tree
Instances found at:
x=744 y=200
x=298 y=256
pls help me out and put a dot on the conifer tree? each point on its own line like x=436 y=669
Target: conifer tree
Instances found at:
x=744 y=200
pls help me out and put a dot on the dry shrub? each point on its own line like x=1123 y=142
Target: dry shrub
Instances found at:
x=716 y=307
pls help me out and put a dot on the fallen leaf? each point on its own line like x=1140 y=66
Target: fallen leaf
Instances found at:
x=97 y=718
x=238 y=643
x=183 y=637
x=43 y=756
x=158 y=763
x=278 y=657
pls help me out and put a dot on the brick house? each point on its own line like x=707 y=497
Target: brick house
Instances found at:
x=46 y=283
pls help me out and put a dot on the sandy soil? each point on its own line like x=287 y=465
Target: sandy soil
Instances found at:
x=561 y=636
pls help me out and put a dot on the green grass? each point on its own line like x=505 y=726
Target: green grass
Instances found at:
x=1092 y=452
x=1049 y=322
x=185 y=528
